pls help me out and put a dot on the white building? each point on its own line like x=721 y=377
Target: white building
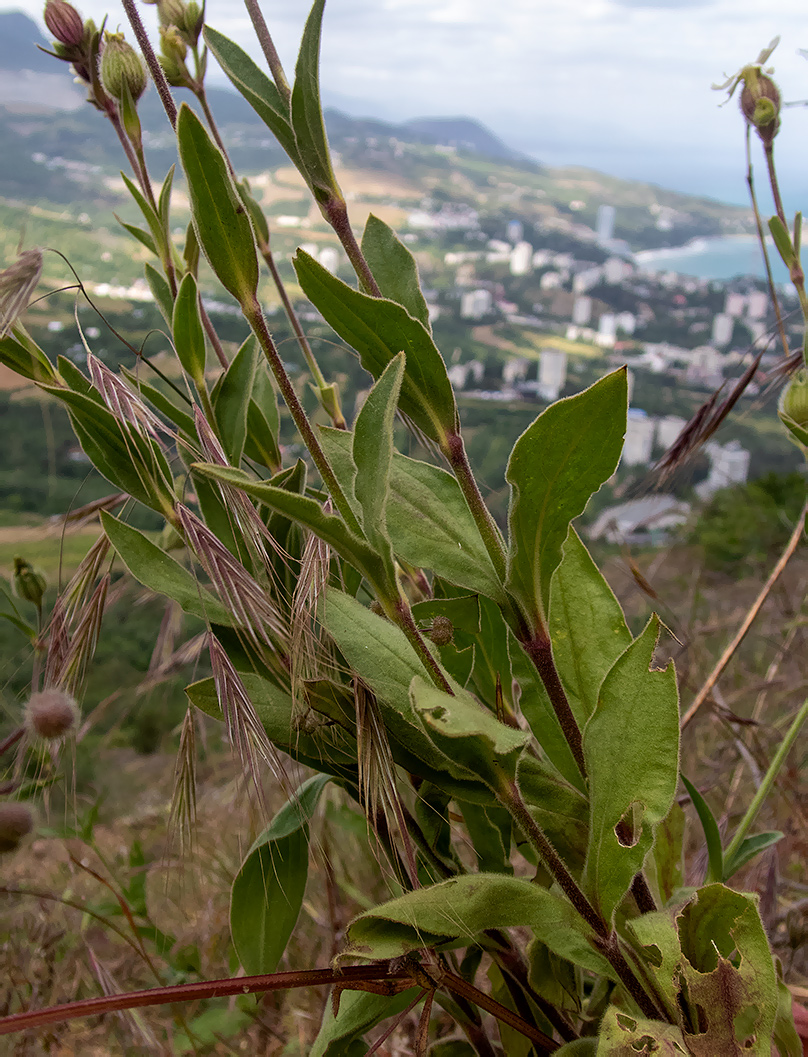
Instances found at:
x=552 y=373
x=514 y=231
x=668 y=429
x=605 y=223
x=582 y=311
x=329 y=258
x=626 y=321
x=757 y=304
x=723 y=326
x=514 y=371
x=639 y=519
x=615 y=270
x=522 y=259
x=551 y=280
x=607 y=330
x=639 y=438
x=729 y=464
x=734 y=304
x=586 y=279
x=475 y=304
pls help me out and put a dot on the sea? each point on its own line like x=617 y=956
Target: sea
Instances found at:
x=723 y=257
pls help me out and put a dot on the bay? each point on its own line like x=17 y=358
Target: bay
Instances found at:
x=722 y=257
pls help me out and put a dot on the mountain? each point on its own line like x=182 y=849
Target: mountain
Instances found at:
x=58 y=149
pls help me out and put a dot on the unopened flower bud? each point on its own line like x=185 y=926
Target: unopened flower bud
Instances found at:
x=64 y=22
x=193 y=22
x=16 y=822
x=794 y=401
x=27 y=583
x=51 y=713
x=442 y=631
x=121 y=65
x=760 y=104
x=170 y=13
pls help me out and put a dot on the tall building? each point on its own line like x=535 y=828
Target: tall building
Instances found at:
x=668 y=429
x=552 y=373
x=723 y=326
x=607 y=330
x=639 y=438
x=615 y=270
x=582 y=311
x=605 y=223
x=475 y=304
x=514 y=231
x=522 y=259
x=734 y=304
x=757 y=303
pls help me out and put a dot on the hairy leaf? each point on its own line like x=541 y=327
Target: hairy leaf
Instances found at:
x=631 y=748
x=189 y=337
x=394 y=268
x=267 y=893
x=378 y=329
x=554 y=468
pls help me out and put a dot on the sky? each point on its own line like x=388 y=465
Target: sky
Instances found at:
x=618 y=85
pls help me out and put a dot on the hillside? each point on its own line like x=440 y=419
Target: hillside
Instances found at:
x=56 y=150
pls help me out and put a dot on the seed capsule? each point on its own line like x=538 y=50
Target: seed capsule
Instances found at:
x=51 y=713
x=16 y=822
x=121 y=65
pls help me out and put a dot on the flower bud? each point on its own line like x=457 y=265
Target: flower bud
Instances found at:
x=64 y=22
x=193 y=22
x=27 y=583
x=170 y=13
x=760 y=104
x=16 y=822
x=121 y=65
x=442 y=631
x=793 y=407
x=51 y=713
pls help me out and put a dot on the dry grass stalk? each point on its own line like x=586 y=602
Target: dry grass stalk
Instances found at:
x=243 y=596
x=245 y=731
x=124 y=402
x=748 y=620
x=17 y=285
x=183 y=801
x=306 y=650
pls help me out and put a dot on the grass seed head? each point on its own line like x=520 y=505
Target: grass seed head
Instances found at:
x=51 y=713
x=16 y=822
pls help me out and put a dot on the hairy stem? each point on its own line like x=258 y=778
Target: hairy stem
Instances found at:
x=403 y=617
x=336 y=213
x=255 y=318
x=539 y=648
x=155 y=69
x=454 y=451
x=268 y=48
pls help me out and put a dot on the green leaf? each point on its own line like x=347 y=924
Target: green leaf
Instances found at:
x=307 y=512
x=307 y=114
x=189 y=337
x=164 y=201
x=631 y=749
x=488 y=837
x=379 y=653
x=428 y=519
x=267 y=894
x=158 y=571
x=554 y=468
x=785 y=1035
x=143 y=237
x=587 y=627
x=151 y=217
x=373 y=453
x=749 y=848
x=233 y=399
x=624 y=1035
x=359 y=1011
x=220 y=218
x=322 y=750
x=715 y=853
x=261 y=443
x=378 y=329
x=729 y=972
x=468 y=733
x=256 y=87
x=534 y=704
x=579 y=1048
x=24 y=357
x=668 y=849
x=128 y=460
x=394 y=268
x=782 y=241
x=558 y=807
x=457 y=911
x=161 y=292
